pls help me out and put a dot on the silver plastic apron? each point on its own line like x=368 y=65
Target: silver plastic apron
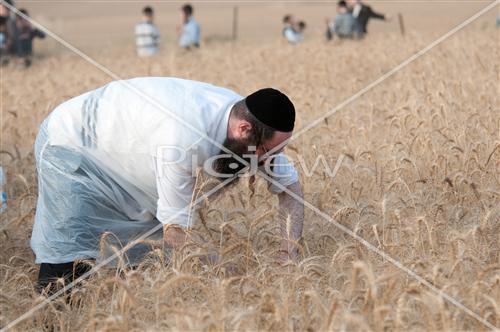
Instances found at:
x=84 y=211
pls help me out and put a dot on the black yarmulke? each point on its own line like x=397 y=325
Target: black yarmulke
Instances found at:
x=273 y=108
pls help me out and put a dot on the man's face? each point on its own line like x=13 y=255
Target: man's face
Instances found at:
x=278 y=139
x=247 y=146
x=230 y=165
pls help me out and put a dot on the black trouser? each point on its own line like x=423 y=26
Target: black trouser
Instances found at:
x=50 y=273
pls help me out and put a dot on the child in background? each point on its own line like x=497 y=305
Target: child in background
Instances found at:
x=292 y=31
x=190 y=30
x=301 y=26
x=344 y=25
x=362 y=15
x=25 y=33
x=147 y=36
x=288 y=22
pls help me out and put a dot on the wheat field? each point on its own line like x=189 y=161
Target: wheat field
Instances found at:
x=419 y=180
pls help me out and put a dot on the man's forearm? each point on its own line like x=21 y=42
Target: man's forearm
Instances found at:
x=291 y=218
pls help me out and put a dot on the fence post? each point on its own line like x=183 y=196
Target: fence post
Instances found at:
x=235 y=22
x=401 y=24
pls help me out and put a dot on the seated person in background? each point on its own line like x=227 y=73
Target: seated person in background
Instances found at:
x=288 y=22
x=362 y=14
x=344 y=24
x=25 y=33
x=292 y=31
x=301 y=26
x=190 y=30
x=147 y=36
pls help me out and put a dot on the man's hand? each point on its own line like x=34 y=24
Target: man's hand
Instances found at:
x=175 y=236
x=212 y=258
x=291 y=218
x=286 y=254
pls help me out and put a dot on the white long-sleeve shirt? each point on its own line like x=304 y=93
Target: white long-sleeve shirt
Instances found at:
x=190 y=35
x=147 y=39
x=292 y=36
x=154 y=139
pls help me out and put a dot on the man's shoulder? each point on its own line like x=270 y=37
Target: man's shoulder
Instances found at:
x=178 y=91
x=169 y=89
x=205 y=94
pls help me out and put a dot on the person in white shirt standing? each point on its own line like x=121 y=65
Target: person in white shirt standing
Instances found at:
x=190 y=30
x=147 y=36
x=118 y=161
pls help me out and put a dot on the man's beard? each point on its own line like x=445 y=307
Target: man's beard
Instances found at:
x=229 y=166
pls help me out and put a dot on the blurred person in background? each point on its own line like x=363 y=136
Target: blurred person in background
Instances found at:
x=190 y=29
x=288 y=22
x=293 y=31
x=147 y=36
x=301 y=26
x=363 y=13
x=6 y=32
x=344 y=24
x=23 y=40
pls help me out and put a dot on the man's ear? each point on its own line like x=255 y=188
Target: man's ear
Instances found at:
x=244 y=129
